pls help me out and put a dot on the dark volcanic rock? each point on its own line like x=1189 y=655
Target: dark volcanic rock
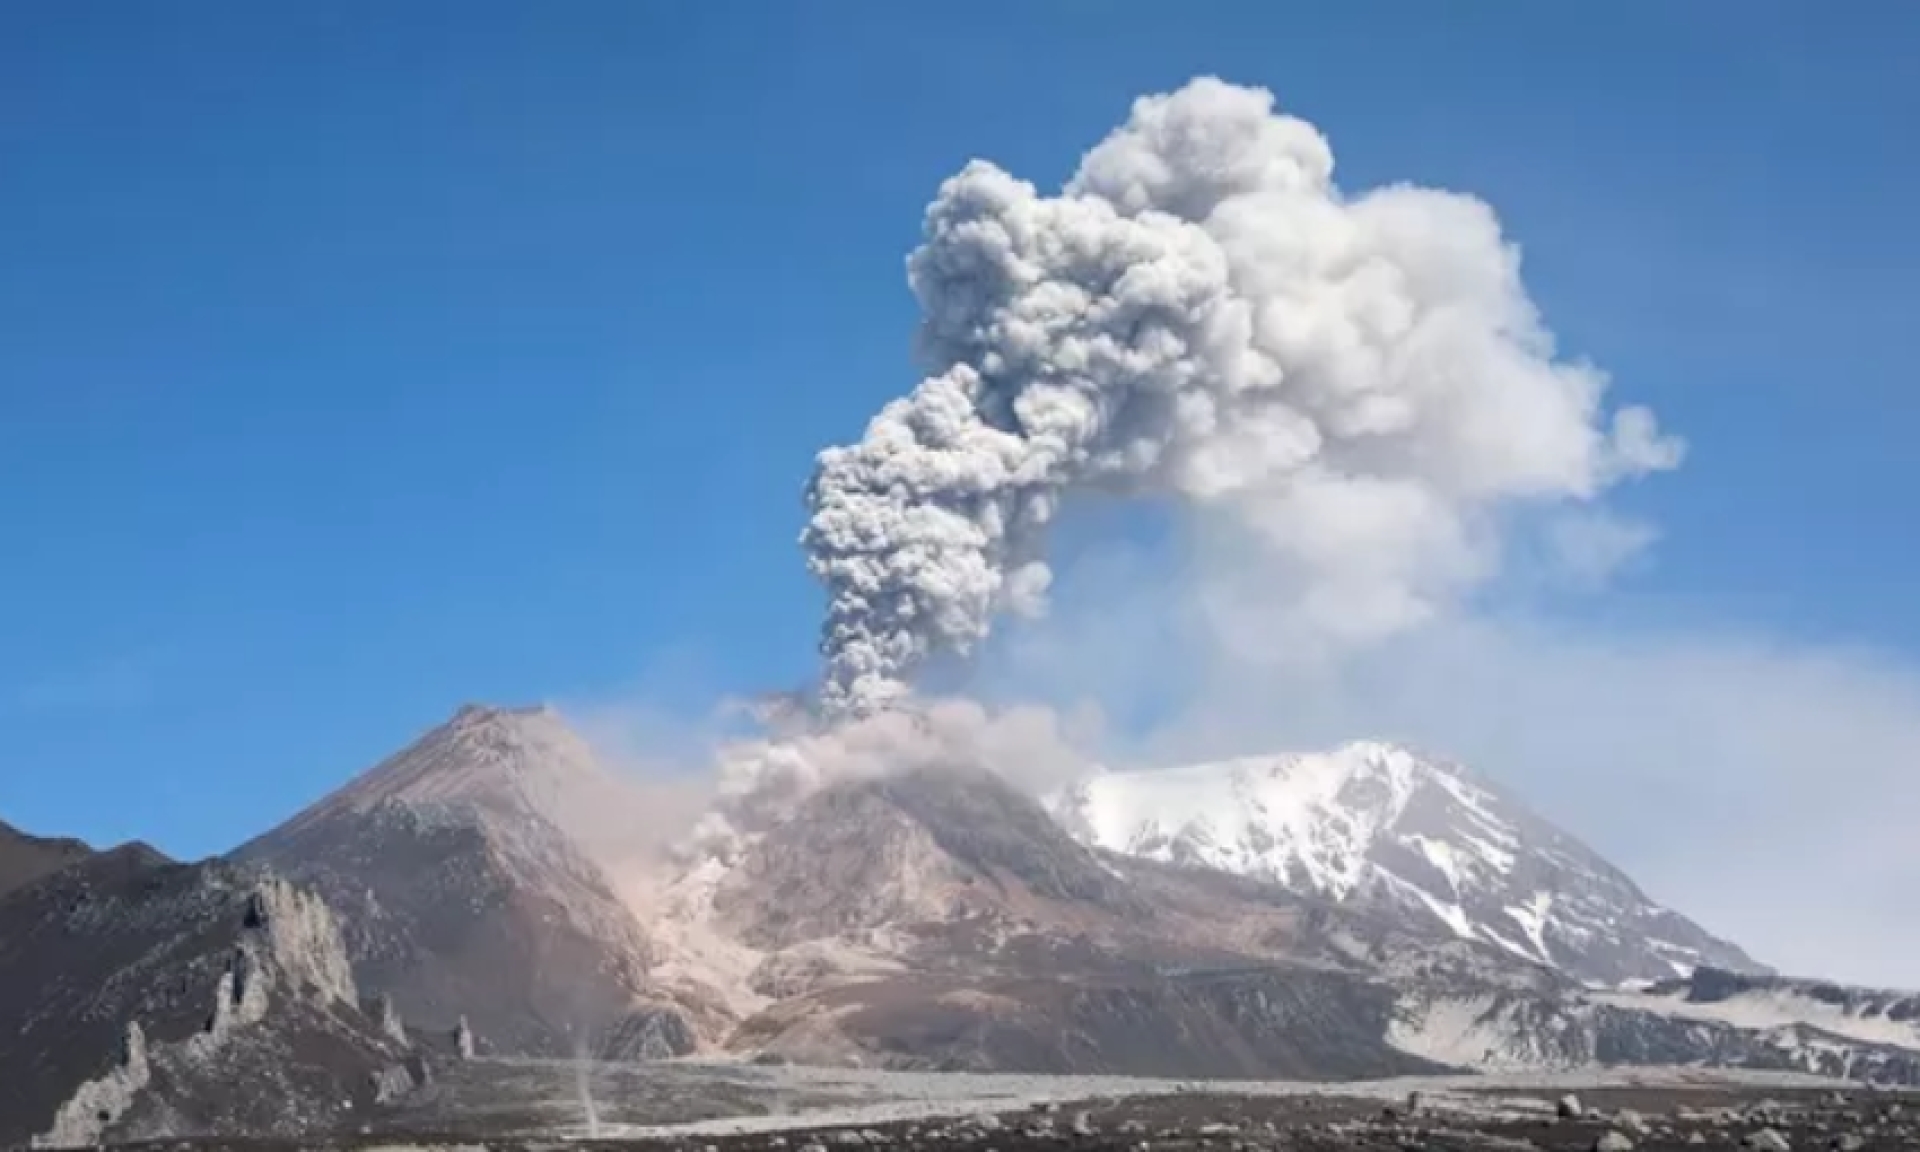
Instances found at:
x=646 y=1034
x=174 y=999
x=88 y=951
x=513 y=1105
x=24 y=858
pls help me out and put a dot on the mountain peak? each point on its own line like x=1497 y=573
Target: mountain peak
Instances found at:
x=505 y=761
x=1378 y=823
x=1315 y=818
x=477 y=714
x=468 y=866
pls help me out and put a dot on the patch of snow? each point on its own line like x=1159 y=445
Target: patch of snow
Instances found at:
x=1441 y=856
x=1464 y=1033
x=1449 y=914
x=1317 y=815
x=1532 y=918
x=1500 y=859
x=1509 y=943
x=1772 y=1008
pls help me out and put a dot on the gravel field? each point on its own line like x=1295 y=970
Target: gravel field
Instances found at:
x=511 y=1106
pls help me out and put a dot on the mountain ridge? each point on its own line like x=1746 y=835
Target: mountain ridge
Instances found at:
x=1376 y=824
x=26 y=858
x=933 y=917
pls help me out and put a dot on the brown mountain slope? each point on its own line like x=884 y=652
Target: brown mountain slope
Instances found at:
x=1008 y=945
x=465 y=892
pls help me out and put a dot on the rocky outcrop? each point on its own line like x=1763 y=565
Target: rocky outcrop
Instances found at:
x=649 y=1033
x=98 y=1102
x=170 y=1000
x=290 y=940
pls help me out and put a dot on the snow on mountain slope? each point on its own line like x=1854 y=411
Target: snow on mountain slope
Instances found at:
x=1377 y=824
x=1869 y=1015
x=1501 y=1031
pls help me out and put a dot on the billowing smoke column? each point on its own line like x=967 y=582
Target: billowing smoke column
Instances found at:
x=1362 y=384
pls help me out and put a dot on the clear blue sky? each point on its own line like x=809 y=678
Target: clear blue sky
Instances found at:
x=361 y=359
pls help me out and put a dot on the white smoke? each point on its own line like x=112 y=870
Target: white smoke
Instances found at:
x=763 y=779
x=1358 y=388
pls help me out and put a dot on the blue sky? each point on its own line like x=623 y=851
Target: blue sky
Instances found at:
x=359 y=360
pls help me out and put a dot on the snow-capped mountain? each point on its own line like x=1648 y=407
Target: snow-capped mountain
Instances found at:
x=1378 y=825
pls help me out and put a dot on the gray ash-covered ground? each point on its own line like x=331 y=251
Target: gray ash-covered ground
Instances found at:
x=1645 y=1119
x=717 y=1110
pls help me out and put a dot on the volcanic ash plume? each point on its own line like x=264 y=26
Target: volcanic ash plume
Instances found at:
x=761 y=780
x=1359 y=384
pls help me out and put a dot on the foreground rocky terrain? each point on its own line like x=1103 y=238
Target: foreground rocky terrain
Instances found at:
x=139 y=995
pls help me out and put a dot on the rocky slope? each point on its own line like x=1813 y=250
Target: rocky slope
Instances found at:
x=467 y=888
x=1380 y=827
x=145 y=992
x=25 y=858
x=937 y=919
x=1492 y=1029
x=1800 y=1016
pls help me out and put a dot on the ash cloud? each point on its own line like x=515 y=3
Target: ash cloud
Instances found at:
x=762 y=779
x=1355 y=390
x=1371 y=440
